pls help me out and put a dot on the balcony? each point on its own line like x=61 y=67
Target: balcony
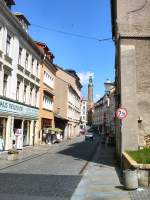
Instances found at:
x=20 y=68
x=33 y=77
x=27 y=72
x=37 y=80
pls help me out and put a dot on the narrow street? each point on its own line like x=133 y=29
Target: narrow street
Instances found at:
x=52 y=174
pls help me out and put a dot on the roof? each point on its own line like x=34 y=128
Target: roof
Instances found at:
x=71 y=72
x=21 y=16
x=43 y=45
x=10 y=2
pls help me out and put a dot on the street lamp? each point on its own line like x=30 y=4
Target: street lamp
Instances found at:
x=108 y=86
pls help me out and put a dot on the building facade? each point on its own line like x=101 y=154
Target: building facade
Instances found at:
x=83 y=115
x=131 y=33
x=104 y=111
x=47 y=85
x=19 y=78
x=67 y=101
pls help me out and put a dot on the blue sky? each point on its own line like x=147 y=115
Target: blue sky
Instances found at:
x=85 y=17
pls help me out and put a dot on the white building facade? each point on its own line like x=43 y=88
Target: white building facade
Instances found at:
x=73 y=111
x=68 y=95
x=83 y=115
x=19 y=78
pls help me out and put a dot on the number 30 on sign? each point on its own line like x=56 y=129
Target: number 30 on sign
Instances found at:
x=121 y=113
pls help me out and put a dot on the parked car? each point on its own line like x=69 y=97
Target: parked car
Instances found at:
x=89 y=135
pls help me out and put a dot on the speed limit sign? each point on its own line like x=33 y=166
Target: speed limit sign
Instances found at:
x=121 y=113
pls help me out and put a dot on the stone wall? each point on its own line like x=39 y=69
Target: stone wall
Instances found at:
x=133 y=16
x=140 y=89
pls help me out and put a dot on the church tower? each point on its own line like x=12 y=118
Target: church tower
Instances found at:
x=90 y=93
x=90 y=103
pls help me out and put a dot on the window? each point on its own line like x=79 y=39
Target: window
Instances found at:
x=8 y=42
x=0 y=37
x=47 y=102
x=32 y=65
x=31 y=89
x=37 y=69
x=5 y=79
x=26 y=61
x=25 y=93
x=36 y=95
x=20 y=55
x=17 y=91
x=48 y=80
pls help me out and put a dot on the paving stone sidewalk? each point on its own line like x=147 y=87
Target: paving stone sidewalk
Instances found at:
x=102 y=180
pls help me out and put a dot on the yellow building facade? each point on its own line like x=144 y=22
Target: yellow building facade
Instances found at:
x=46 y=99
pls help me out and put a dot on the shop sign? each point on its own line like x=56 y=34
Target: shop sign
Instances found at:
x=17 y=109
x=19 y=138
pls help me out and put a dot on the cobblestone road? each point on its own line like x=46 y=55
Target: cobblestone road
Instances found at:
x=53 y=173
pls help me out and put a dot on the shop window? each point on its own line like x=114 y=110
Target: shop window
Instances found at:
x=5 y=80
x=3 y=128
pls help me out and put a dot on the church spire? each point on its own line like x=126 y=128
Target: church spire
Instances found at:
x=90 y=89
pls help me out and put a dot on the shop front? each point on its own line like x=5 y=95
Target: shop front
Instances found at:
x=3 y=121
x=17 y=124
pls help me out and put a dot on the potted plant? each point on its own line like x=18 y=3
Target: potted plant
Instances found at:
x=13 y=154
x=138 y=160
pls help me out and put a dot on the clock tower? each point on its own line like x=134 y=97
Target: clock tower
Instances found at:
x=90 y=93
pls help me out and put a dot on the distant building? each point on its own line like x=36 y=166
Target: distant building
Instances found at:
x=104 y=111
x=67 y=102
x=83 y=115
x=90 y=102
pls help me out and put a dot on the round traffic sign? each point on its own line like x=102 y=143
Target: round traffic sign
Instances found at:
x=121 y=113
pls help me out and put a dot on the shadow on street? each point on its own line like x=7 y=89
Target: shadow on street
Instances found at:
x=86 y=150
x=53 y=186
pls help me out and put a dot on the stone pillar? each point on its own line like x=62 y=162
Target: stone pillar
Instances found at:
x=9 y=132
x=31 y=132
x=38 y=132
x=129 y=126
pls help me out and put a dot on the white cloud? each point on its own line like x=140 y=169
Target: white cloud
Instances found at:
x=97 y=97
x=84 y=77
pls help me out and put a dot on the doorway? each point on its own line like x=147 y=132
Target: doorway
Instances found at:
x=26 y=133
x=3 y=122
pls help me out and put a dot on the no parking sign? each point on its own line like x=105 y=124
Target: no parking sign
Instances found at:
x=121 y=113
